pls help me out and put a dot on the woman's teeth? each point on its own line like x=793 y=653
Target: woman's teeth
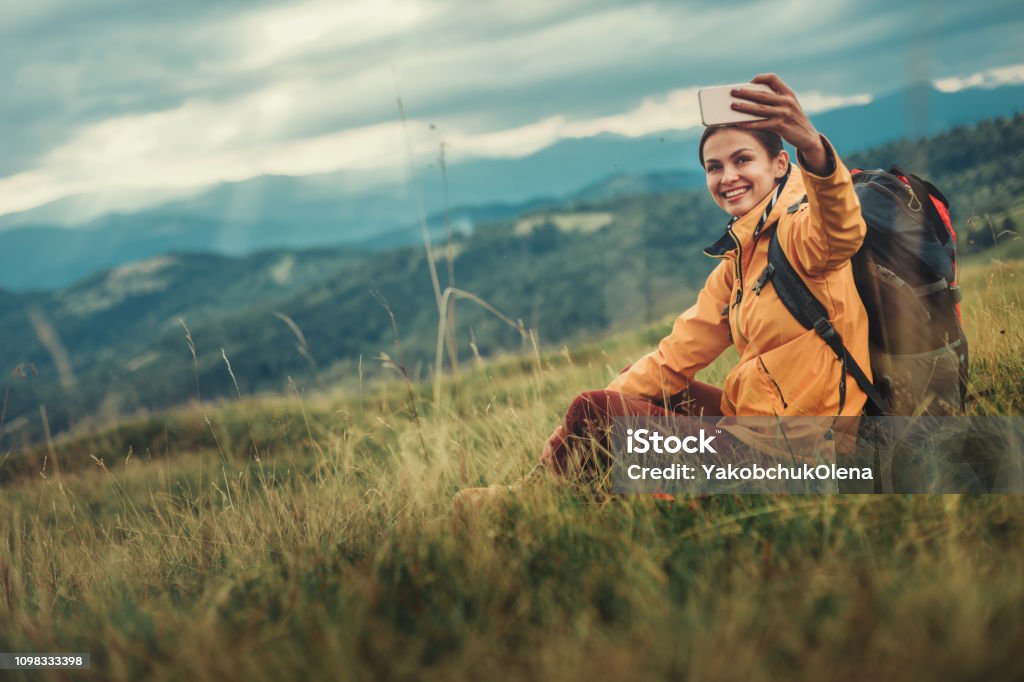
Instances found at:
x=735 y=192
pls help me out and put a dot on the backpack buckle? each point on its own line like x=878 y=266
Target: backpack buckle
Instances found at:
x=763 y=279
x=824 y=328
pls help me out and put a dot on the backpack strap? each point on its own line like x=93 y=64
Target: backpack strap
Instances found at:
x=809 y=312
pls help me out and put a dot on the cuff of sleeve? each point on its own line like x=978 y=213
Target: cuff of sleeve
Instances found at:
x=830 y=161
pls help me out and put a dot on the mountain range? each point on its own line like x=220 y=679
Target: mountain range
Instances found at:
x=159 y=332
x=44 y=248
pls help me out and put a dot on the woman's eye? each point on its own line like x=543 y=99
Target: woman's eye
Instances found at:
x=712 y=168
x=743 y=159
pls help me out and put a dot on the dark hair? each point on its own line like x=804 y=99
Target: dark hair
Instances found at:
x=771 y=142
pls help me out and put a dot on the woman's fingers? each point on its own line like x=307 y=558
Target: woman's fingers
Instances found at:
x=759 y=96
x=765 y=124
x=782 y=111
x=759 y=109
x=773 y=82
x=777 y=119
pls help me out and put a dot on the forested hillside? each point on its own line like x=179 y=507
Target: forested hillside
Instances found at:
x=980 y=169
x=566 y=273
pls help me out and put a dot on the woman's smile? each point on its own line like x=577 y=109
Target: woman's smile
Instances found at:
x=740 y=172
x=735 y=195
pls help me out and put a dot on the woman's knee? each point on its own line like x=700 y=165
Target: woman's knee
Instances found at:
x=586 y=409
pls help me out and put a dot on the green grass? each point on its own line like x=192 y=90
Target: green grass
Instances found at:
x=287 y=537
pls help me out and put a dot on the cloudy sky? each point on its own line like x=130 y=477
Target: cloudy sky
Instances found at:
x=114 y=97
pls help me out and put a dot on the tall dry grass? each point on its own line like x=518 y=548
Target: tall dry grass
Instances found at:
x=335 y=555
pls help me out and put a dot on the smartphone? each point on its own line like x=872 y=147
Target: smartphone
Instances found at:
x=716 y=104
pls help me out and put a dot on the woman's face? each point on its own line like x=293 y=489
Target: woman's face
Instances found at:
x=739 y=170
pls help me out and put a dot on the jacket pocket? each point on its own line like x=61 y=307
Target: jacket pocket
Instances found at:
x=922 y=383
x=798 y=378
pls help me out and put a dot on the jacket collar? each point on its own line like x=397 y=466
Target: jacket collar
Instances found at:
x=744 y=226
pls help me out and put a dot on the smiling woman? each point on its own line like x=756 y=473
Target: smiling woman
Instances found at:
x=813 y=212
x=748 y=169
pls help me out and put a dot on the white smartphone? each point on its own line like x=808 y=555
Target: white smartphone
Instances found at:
x=716 y=104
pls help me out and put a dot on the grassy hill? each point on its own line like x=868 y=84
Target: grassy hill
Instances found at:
x=310 y=535
x=113 y=345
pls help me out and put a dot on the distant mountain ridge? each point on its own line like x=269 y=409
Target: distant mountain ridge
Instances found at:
x=340 y=209
x=114 y=342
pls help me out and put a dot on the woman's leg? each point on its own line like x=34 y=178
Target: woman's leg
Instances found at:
x=698 y=400
x=585 y=430
x=584 y=437
x=588 y=421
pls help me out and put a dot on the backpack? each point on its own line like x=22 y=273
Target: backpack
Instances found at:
x=906 y=275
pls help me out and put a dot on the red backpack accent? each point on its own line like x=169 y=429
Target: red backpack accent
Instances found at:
x=941 y=206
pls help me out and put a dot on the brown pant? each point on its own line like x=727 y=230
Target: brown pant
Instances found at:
x=588 y=419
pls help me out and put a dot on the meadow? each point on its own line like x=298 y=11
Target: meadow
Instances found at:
x=311 y=535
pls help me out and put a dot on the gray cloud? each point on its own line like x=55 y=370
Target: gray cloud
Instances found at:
x=869 y=47
x=69 y=65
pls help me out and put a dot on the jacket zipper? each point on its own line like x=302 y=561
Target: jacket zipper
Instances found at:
x=739 y=278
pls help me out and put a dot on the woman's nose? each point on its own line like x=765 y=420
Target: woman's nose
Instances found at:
x=728 y=174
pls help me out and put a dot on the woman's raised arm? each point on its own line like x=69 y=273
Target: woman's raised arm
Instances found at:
x=836 y=228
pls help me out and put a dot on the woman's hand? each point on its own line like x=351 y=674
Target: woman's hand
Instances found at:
x=547 y=455
x=785 y=117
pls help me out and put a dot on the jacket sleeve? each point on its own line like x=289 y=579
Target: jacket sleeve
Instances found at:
x=831 y=229
x=698 y=336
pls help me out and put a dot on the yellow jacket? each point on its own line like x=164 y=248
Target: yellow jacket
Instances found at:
x=784 y=369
